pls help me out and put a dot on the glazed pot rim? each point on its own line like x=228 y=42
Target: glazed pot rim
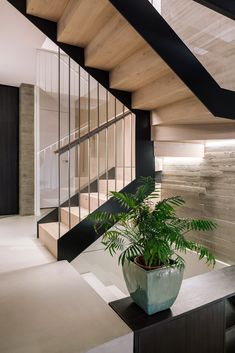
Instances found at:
x=159 y=268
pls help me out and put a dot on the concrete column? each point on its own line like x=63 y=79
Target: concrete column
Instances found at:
x=26 y=150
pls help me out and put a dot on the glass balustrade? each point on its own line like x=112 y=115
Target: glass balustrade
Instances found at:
x=86 y=143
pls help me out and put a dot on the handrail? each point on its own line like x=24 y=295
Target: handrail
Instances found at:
x=81 y=139
x=75 y=131
x=224 y=7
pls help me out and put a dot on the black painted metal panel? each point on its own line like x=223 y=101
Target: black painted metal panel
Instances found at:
x=9 y=150
x=161 y=37
x=145 y=161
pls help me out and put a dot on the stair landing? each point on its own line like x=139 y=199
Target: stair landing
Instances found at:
x=51 y=309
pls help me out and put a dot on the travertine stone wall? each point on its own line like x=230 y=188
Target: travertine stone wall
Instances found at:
x=208 y=187
x=26 y=150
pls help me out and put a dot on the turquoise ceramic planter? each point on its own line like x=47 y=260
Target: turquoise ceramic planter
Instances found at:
x=154 y=290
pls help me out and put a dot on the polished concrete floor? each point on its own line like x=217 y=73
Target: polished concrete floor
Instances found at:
x=41 y=299
x=19 y=246
x=105 y=268
x=51 y=309
x=46 y=306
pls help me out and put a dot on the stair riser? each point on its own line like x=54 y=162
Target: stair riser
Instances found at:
x=125 y=174
x=65 y=218
x=48 y=241
x=111 y=186
x=84 y=202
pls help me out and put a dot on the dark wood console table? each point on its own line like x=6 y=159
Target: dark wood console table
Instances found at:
x=202 y=320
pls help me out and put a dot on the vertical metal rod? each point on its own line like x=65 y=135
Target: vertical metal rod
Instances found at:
x=134 y=144
x=79 y=135
x=89 y=147
x=69 y=151
x=45 y=71
x=98 y=144
x=59 y=210
x=106 y=144
x=124 y=147
x=131 y=144
x=115 y=144
x=51 y=61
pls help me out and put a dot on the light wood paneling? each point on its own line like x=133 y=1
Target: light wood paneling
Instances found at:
x=186 y=111
x=137 y=70
x=75 y=213
x=48 y=9
x=167 y=89
x=49 y=235
x=93 y=199
x=82 y=20
x=178 y=149
x=112 y=44
x=187 y=132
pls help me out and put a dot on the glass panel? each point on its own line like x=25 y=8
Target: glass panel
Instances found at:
x=133 y=146
x=102 y=163
x=119 y=157
x=111 y=106
x=94 y=177
x=128 y=151
x=93 y=104
x=74 y=96
x=84 y=102
x=86 y=171
x=84 y=174
x=111 y=158
x=119 y=107
x=47 y=129
x=102 y=105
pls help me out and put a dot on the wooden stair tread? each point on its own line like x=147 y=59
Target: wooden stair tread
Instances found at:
x=82 y=19
x=95 y=195
x=47 y=9
x=165 y=90
x=77 y=211
x=139 y=69
x=112 y=44
x=53 y=229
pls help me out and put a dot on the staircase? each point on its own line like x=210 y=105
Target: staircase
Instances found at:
x=143 y=65
x=51 y=232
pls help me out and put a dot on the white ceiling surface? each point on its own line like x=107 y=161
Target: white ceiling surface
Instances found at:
x=19 y=40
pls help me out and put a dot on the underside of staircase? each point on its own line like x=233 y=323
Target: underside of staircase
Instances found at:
x=225 y=7
x=131 y=50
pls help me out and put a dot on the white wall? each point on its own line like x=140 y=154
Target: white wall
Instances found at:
x=18 y=42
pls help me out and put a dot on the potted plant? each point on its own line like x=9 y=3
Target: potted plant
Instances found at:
x=150 y=237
